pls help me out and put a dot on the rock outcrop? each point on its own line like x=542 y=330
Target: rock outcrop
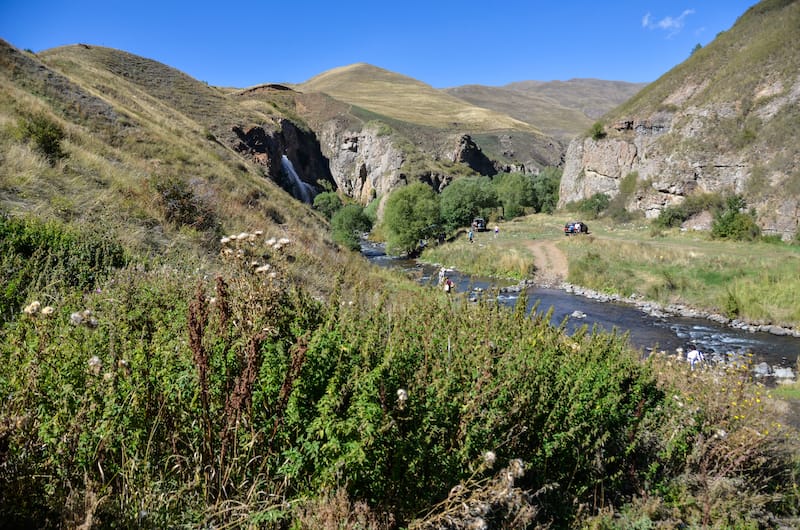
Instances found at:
x=722 y=122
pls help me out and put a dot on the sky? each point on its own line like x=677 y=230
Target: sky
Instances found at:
x=443 y=43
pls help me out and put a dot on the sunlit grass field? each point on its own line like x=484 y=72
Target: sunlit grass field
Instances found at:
x=756 y=282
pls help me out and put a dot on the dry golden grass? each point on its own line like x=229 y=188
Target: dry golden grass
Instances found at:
x=406 y=99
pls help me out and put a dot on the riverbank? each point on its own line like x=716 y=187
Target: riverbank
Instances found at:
x=748 y=286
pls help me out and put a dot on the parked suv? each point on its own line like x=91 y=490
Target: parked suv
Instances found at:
x=576 y=227
x=479 y=224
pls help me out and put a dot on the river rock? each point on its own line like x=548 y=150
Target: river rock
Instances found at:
x=783 y=373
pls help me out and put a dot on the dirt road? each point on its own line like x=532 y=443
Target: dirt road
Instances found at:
x=550 y=262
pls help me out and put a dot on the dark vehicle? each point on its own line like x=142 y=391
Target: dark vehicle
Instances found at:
x=576 y=227
x=479 y=224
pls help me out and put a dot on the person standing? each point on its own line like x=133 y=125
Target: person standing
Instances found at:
x=471 y=235
x=496 y=231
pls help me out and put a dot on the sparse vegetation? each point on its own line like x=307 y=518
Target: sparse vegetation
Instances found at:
x=45 y=134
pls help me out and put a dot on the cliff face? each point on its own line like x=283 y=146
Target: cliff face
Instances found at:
x=364 y=163
x=726 y=121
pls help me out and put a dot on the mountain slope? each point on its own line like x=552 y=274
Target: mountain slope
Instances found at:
x=141 y=161
x=726 y=121
x=406 y=99
x=560 y=108
x=434 y=121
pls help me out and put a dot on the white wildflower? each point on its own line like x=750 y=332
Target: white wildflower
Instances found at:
x=258 y=233
x=271 y=241
x=95 y=364
x=76 y=318
x=243 y=235
x=402 y=397
x=225 y=240
x=263 y=268
x=489 y=458
x=49 y=310
x=32 y=308
x=284 y=241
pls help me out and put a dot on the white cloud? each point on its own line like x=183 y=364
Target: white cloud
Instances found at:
x=670 y=24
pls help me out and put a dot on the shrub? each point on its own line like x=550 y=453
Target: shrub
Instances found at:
x=45 y=134
x=593 y=206
x=411 y=215
x=348 y=224
x=597 y=131
x=182 y=207
x=327 y=202
x=38 y=258
x=733 y=223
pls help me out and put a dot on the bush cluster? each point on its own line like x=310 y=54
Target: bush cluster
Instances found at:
x=45 y=134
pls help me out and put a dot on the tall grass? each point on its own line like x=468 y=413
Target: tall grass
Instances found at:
x=160 y=396
x=749 y=281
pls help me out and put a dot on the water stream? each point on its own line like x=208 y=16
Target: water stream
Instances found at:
x=646 y=332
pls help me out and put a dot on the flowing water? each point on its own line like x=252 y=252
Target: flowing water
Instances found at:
x=300 y=189
x=646 y=332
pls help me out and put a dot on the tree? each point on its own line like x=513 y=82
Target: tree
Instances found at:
x=466 y=198
x=733 y=222
x=328 y=203
x=411 y=214
x=348 y=223
x=545 y=189
x=514 y=191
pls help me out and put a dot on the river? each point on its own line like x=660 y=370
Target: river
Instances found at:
x=646 y=332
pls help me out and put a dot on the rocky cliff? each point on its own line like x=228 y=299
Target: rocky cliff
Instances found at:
x=726 y=121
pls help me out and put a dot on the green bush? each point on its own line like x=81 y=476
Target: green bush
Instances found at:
x=593 y=206
x=348 y=224
x=411 y=215
x=45 y=134
x=466 y=198
x=327 y=202
x=733 y=222
x=38 y=258
x=597 y=131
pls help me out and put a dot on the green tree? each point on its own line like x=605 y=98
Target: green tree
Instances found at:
x=466 y=198
x=545 y=189
x=411 y=214
x=733 y=222
x=328 y=203
x=594 y=205
x=348 y=223
x=514 y=191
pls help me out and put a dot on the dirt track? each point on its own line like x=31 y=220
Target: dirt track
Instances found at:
x=550 y=262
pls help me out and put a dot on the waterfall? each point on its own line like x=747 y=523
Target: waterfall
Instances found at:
x=300 y=189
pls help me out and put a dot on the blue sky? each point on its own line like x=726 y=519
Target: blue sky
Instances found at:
x=441 y=42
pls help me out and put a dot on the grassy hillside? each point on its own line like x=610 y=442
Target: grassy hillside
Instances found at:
x=593 y=97
x=542 y=111
x=751 y=61
x=407 y=99
x=141 y=160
